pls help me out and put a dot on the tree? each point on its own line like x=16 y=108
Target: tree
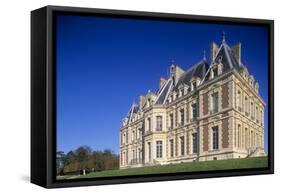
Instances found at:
x=60 y=161
x=85 y=158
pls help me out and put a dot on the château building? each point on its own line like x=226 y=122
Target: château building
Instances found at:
x=211 y=111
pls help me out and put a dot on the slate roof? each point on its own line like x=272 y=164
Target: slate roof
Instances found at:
x=198 y=70
x=225 y=55
x=134 y=109
x=227 y=58
x=163 y=93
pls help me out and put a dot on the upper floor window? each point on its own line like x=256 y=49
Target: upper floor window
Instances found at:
x=246 y=106
x=181 y=123
x=140 y=133
x=257 y=114
x=239 y=101
x=133 y=136
x=171 y=121
x=261 y=115
x=215 y=102
x=252 y=111
x=149 y=124
x=158 y=123
x=215 y=138
x=194 y=111
x=159 y=149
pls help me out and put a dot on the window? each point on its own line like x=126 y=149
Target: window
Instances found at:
x=215 y=71
x=182 y=145
x=215 y=102
x=257 y=114
x=133 y=136
x=246 y=106
x=181 y=117
x=148 y=102
x=140 y=133
x=215 y=138
x=159 y=149
x=149 y=124
x=194 y=85
x=252 y=110
x=149 y=151
x=261 y=115
x=246 y=138
x=127 y=135
x=182 y=92
x=239 y=101
x=239 y=136
x=134 y=155
x=139 y=154
x=194 y=111
x=171 y=148
x=252 y=139
x=158 y=123
x=194 y=143
x=171 y=121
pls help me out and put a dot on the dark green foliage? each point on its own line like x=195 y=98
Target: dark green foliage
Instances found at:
x=84 y=158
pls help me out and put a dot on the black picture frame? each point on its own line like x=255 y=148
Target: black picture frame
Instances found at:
x=43 y=97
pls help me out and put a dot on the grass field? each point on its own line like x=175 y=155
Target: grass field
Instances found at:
x=258 y=162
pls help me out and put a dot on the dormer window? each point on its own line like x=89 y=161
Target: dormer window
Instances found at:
x=215 y=71
x=251 y=81
x=148 y=102
x=182 y=92
x=256 y=86
x=220 y=68
x=194 y=85
x=170 y=99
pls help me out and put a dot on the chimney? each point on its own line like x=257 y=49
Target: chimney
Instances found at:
x=236 y=49
x=175 y=73
x=214 y=51
x=162 y=82
x=142 y=99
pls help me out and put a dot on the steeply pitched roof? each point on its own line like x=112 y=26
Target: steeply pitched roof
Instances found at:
x=134 y=109
x=198 y=70
x=225 y=55
x=227 y=58
x=164 y=91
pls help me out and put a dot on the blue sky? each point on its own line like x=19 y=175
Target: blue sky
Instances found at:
x=103 y=64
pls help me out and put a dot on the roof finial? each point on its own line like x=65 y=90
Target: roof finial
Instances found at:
x=204 y=55
x=172 y=61
x=223 y=36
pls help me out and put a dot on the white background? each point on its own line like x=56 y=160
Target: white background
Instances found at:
x=15 y=94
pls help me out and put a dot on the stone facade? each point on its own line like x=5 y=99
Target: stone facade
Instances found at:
x=208 y=112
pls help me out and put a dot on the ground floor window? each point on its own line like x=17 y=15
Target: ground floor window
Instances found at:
x=171 y=148
x=149 y=151
x=159 y=149
x=195 y=142
x=182 y=145
x=215 y=137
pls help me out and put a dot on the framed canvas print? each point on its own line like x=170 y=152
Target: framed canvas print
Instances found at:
x=125 y=96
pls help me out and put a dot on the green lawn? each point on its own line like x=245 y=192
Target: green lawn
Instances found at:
x=258 y=162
